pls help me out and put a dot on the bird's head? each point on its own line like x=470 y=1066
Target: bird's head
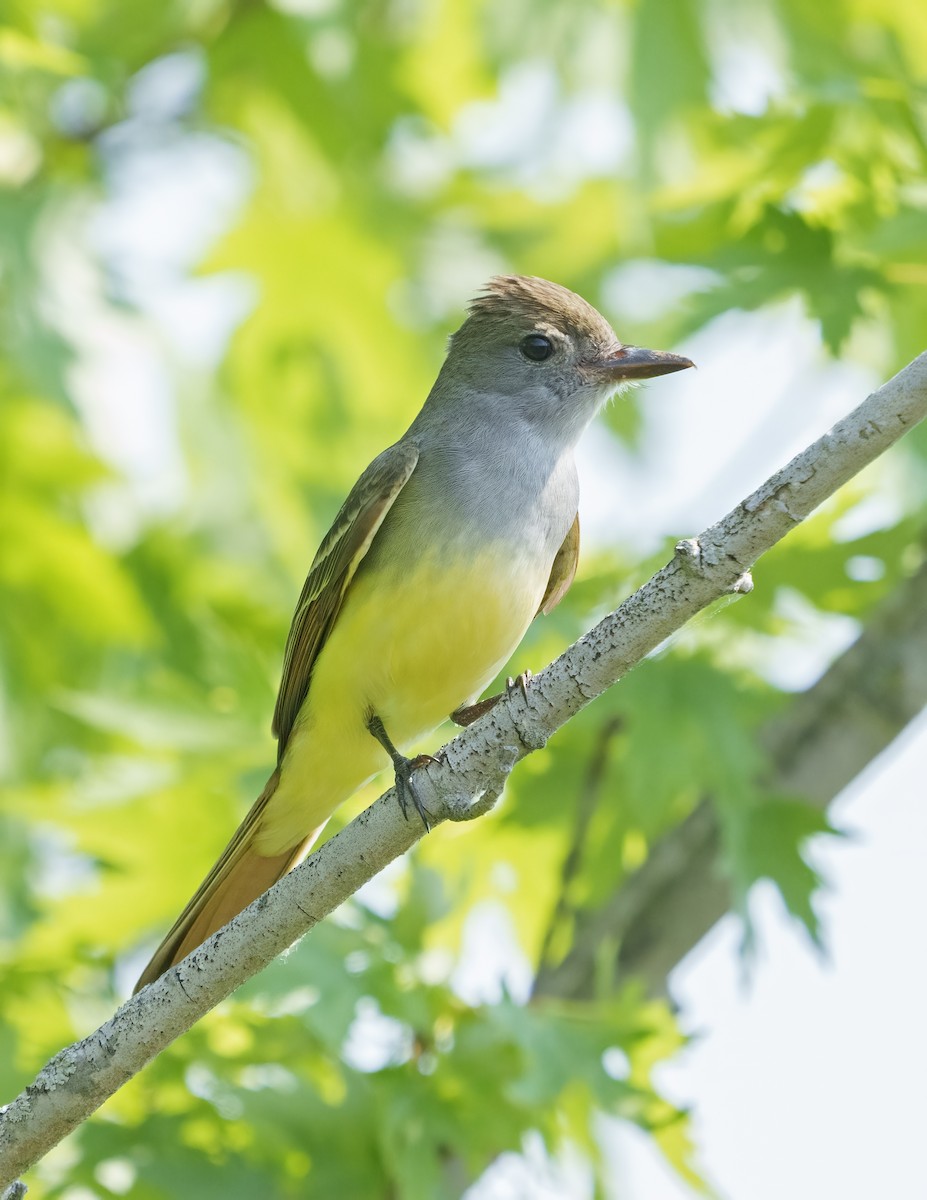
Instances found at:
x=539 y=348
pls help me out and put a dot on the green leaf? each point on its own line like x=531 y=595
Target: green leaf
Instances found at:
x=770 y=841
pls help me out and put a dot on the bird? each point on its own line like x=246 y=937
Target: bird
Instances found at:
x=450 y=543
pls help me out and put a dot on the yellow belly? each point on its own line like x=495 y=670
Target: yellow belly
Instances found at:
x=409 y=646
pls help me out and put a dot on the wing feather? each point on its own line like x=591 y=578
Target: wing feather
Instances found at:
x=331 y=572
x=563 y=571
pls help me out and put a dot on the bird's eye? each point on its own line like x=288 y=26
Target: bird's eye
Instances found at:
x=537 y=347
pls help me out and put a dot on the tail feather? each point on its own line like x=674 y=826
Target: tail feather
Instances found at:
x=238 y=877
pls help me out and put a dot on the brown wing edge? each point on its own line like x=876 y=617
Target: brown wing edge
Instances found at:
x=241 y=875
x=563 y=571
x=167 y=953
x=333 y=567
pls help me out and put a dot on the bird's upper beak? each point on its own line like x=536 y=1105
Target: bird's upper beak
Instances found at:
x=634 y=362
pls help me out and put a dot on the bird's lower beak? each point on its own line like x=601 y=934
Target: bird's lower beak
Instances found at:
x=634 y=362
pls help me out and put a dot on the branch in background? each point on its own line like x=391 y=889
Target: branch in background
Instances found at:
x=828 y=736
x=588 y=800
x=78 y=1079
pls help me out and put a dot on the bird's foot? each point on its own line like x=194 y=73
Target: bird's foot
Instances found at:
x=406 y=790
x=468 y=713
x=403 y=768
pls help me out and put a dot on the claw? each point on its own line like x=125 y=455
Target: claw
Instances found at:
x=521 y=683
x=423 y=760
x=403 y=768
x=468 y=713
x=406 y=792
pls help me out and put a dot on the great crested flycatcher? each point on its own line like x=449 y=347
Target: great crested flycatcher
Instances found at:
x=447 y=547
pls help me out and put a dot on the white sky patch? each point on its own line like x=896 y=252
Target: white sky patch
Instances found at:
x=375 y=1040
x=121 y=385
x=541 y=140
x=200 y=315
x=816 y=181
x=644 y=289
x=636 y=1170
x=865 y=568
x=418 y=158
x=749 y=57
x=331 y=52
x=124 y=392
x=530 y=133
x=117 y=1175
x=500 y=133
x=79 y=106
x=305 y=8
x=168 y=87
x=381 y=894
x=491 y=959
x=806 y=646
x=535 y=1175
x=169 y=196
x=595 y=137
x=810 y=1078
x=877 y=510
x=761 y=393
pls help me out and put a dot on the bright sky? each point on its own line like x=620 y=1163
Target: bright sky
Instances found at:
x=808 y=1079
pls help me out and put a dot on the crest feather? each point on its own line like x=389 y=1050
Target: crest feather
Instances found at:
x=527 y=299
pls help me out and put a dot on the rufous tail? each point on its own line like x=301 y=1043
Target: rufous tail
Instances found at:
x=240 y=876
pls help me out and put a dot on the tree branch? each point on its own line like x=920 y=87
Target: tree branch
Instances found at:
x=78 y=1079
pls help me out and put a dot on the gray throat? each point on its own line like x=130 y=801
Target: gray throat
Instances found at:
x=478 y=483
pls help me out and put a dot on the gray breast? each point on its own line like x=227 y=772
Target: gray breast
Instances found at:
x=467 y=496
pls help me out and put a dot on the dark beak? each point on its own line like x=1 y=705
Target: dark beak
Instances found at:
x=634 y=362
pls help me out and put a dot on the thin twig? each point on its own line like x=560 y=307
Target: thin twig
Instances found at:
x=586 y=804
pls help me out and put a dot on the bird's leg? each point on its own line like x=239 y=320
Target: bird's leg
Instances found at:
x=403 y=767
x=468 y=713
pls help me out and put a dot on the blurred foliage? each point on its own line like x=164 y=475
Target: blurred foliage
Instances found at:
x=232 y=238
